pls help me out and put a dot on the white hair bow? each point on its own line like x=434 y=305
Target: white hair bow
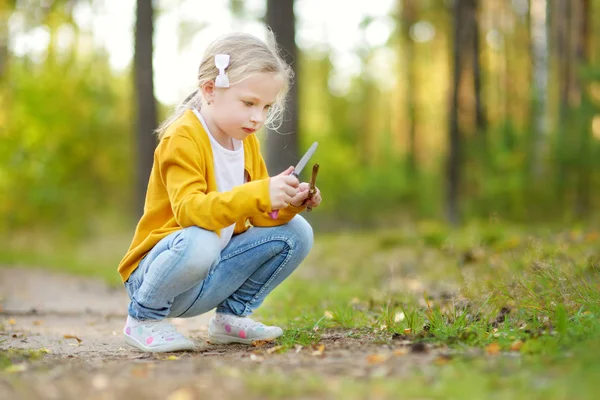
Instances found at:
x=222 y=62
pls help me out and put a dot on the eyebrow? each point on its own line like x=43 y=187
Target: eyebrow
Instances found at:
x=255 y=99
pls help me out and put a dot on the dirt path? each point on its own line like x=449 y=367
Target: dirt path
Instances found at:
x=77 y=323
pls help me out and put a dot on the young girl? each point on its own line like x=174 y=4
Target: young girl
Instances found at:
x=206 y=239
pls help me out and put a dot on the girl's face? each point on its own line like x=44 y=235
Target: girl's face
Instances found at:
x=241 y=109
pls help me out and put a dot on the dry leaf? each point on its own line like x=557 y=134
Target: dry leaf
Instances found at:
x=442 y=359
x=400 y=352
x=516 y=345
x=407 y=331
x=260 y=343
x=140 y=372
x=319 y=350
x=328 y=314
x=73 y=337
x=274 y=349
x=298 y=348
x=182 y=394
x=591 y=237
x=172 y=358
x=12 y=321
x=38 y=322
x=16 y=368
x=493 y=348
x=100 y=382
x=256 y=358
x=376 y=359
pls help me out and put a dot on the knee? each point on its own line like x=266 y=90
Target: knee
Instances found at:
x=199 y=250
x=301 y=234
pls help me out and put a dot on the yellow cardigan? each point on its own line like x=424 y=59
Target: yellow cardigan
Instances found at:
x=182 y=191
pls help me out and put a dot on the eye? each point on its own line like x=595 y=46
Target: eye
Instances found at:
x=248 y=103
x=268 y=107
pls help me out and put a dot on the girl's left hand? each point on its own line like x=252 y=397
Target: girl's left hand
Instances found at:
x=300 y=198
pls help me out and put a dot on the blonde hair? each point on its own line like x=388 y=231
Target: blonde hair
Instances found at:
x=248 y=55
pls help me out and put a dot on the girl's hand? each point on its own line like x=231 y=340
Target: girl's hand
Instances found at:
x=302 y=195
x=282 y=189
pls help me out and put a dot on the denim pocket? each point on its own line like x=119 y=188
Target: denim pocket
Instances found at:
x=132 y=285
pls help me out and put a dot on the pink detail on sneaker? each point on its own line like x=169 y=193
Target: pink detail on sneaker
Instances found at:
x=128 y=330
x=149 y=340
x=242 y=334
x=170 y=339
x=228 y=328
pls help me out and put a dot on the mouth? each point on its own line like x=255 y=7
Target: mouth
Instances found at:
x=249 y=130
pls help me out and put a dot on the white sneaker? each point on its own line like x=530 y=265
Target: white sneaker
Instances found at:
x=155 y=336
x=225 y=328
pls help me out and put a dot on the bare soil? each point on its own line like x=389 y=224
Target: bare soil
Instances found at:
x=76 y=325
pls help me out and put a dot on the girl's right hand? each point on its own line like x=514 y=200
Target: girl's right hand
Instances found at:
x=283 y=188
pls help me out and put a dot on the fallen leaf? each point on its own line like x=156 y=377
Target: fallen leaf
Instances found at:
x=274 y=349
x=256 y=358
x=73 y=337
x=493 y=348
x=400 y=352
x=12 y=321
x=38 y=322
x=100 y=382
x=319 y=350
x=407 y=331
x=16 y=368
x=261 y=343
x=591 y=237
x=376 y=359
x=140 y=372
x=172 y=358
x=328 y=314
x=442 y=359
x=298 y=348
x=516 y=345
x=182 y=394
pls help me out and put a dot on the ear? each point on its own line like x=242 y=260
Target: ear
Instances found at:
x=208 y=90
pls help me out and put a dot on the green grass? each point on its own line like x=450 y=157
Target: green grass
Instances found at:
x=96 y=258
x=12 y=359
x=533 y=292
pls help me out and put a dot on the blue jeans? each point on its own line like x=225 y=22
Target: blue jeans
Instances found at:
x=186 y=274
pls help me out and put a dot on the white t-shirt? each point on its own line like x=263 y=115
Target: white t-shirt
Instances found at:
x=229 y=170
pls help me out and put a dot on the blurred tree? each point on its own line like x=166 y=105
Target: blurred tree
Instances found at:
x=146 y=103
x=582 y=46
x=408 y=18
x=480 y=118
x=6 y=9
x=282 y=146
x=538 y=15
x=462 y=38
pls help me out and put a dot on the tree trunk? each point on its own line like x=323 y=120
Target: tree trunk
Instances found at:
x=479 y=106
x=6 y=9
x=408 y=18
x=282 y=147
x=582 y=55
x=146 y=104
x=460 y=37
x=539 y=46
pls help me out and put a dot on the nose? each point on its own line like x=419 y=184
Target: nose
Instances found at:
x=257 y=116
